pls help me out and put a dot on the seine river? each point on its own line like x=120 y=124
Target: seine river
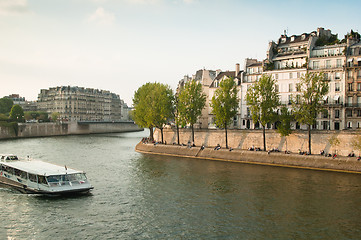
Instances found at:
x=140 y=196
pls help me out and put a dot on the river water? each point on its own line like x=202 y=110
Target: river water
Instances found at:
x=139 y=196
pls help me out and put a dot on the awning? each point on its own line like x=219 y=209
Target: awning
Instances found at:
x=350 y=60
x=336 y=98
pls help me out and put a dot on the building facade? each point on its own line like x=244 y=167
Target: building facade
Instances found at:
x=81 y=104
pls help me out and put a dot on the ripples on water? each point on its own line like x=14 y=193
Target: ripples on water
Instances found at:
x=140 y=196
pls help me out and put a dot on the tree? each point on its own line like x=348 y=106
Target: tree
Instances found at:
x=55 y=116
x=225 y=104
x=263 y=100
x=164 y=108
x=191 y=102
x=6 y=105
x=308 y=102
x=152 y=106
x=17 y=113
x=284 y=126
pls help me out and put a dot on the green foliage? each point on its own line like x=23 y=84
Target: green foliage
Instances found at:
x=17 y=113
x=40 y=116
x=6 y=105
x=191 y=103
x=55 y=116
x=153 y=105
x=285 y=119
x=313 y=87
x=324 y=40
x=225 y=103
x=263 y=100
x=3 y=117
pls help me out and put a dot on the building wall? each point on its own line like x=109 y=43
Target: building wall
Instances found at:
x=81 y=104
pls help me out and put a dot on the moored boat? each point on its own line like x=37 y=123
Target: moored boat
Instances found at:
x=34 y=176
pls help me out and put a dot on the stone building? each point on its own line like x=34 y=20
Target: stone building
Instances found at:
x=81 y=104
x=353 y=82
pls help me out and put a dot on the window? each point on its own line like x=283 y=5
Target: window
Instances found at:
x=358 y=86
x=349 y=101
x=349 y=113
x=337 y=126
x=291 y=75
x=290 y=87
x=337 y=113
x=276 y=88
x=349 y=74
x=359 y=72
x=337 y=75
x=339 y=63
x=325 y=114
x=359 y=101
x=349 y=124
x=328 y=63
x=276 y=75
x=289 y=99
x=349 y=87
x=337 y=87
x=298 y=75
x=359 y=113
x=316 y=64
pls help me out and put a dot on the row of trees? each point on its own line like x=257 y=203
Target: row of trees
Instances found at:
x=155 y=105
x=264 y=103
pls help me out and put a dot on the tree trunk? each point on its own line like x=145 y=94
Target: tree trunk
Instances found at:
x=178 y=135
x=225 y=128
x=309 y=139
x=264 y=138
x=192 y=133
x=151 y=134
x=161 y=132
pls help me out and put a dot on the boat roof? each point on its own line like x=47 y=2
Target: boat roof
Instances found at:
x=39 y=167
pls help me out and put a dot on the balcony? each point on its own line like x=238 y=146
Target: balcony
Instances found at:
x=353 y=105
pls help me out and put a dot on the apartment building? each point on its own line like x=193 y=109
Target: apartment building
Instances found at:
x=81 y=104
x=237 y=76
x=353 y=82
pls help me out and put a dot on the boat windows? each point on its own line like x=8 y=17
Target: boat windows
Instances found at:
x=54 y=178
x=81 y=176
x=11 y=158
x=32 y=178
x=20 y=173
x=8 y=169
x=42 y=180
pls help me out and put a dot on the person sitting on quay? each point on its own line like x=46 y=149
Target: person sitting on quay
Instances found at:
x=217 y=147
x=352 y=154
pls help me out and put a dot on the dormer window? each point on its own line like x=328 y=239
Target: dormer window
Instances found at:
x=283 y=40
x=292 y=38
x=303 y=37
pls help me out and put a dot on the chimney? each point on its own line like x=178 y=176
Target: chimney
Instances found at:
x=237 y=69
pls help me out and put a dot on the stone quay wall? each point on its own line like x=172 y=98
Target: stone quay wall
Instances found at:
x=27 y=130
x=277 y=159
x=244 y=139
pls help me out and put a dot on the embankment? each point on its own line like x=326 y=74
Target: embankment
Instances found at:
x=27 y=130
x=314 y=162
x=244 y=139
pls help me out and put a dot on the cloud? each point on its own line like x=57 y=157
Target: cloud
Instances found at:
x=188 y=1
x=102 y=17
x=144 y=1
x=13 y=7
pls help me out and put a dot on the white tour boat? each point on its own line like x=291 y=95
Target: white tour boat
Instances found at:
x=34 y=176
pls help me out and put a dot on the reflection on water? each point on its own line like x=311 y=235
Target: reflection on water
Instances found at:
x=140 y=196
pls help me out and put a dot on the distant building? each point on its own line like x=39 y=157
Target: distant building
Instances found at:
x=81 y=104
x=26 y=105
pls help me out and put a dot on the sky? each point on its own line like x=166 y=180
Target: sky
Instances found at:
x=119 y=45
